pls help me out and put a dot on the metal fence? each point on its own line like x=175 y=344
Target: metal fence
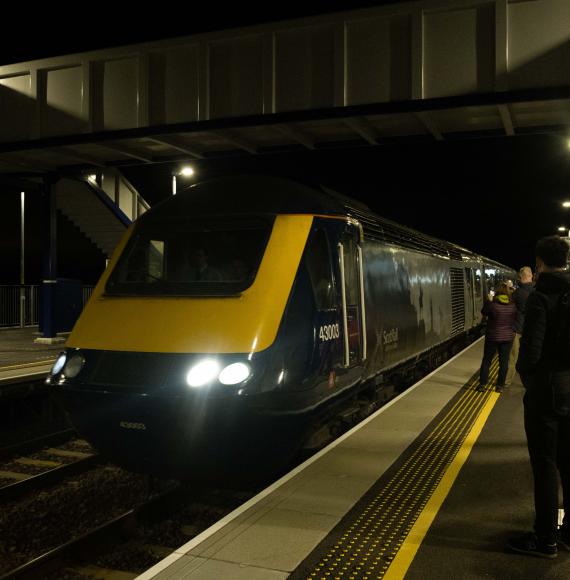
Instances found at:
x=19 y=305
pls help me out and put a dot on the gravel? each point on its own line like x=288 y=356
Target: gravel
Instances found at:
x=37 y=524
x=23 y=468
x=6 y=481
x=129 y=558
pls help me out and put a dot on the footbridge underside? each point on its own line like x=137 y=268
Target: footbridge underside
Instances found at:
x=434 y=69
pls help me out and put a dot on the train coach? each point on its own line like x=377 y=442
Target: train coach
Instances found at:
x=239 y=320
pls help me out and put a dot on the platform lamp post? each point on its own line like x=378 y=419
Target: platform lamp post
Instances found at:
x=185 y=171
x=22 y=259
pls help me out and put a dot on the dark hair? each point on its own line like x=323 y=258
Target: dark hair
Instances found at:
x=553 y=251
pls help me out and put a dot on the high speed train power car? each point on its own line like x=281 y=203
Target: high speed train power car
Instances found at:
x=236 y=317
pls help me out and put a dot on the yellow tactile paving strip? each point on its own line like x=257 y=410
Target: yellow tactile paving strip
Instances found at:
x=367 y=548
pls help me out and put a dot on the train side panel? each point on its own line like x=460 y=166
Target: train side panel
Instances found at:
x=408 y=303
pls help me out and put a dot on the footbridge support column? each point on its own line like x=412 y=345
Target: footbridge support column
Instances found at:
x=48 y=324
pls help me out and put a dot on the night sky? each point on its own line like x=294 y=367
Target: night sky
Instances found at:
x=493 y=196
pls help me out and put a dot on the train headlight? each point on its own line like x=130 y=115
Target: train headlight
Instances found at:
x=58 y=364
x=74 y=365
x=234 y=374
x=202 y=373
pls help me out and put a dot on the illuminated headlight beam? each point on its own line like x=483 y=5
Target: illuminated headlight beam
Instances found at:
x=209 y=370
x=58 y=364
x=234 y=374
x=203 y=373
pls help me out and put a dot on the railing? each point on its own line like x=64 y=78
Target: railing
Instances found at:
x=121 y=192
x=87 y=291
x=19 y=305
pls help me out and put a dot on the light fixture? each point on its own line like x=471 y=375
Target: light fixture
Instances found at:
x=234 y=374
x=566 y=204
x=186 y=171
x=58 y=365
x=562 y=229
x=74 y=365
x=202 y=373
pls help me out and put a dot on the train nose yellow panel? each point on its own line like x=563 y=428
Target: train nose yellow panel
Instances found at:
x=248 y=323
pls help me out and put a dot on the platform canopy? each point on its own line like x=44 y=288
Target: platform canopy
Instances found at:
x=433 y=69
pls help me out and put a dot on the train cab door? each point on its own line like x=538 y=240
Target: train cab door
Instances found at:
x=353 y=309
x=469 y=297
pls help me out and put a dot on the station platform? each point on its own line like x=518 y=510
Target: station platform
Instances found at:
x=430 y=486
x=21 y=357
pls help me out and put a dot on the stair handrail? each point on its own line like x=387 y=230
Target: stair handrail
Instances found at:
x=113 y=202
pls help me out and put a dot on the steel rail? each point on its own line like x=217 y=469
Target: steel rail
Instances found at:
x=103 y=535
x=49 y=477
x=36 y=444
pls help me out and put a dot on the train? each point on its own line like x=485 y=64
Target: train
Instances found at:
x=239 y=320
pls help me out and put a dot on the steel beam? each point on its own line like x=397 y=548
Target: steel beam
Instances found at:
x=237 y=141
x=169 y=142
x=507 y=120
x=430 y=125
x=297 y=135
x=126 y=151
x=363 y=128
x=48 y=296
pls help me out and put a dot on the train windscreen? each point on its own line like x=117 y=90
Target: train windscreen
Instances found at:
x=191 y=257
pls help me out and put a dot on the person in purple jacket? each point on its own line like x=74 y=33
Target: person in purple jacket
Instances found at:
x=501 y=314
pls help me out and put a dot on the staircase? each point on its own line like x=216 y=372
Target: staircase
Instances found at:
x=102 y=206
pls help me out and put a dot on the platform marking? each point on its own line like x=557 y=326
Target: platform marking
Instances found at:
x=415 y=537
x=369 y=546
x=47 y=361
x=187 y=547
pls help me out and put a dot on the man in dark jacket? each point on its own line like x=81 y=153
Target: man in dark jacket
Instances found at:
x=519 y=298
x=541 y=365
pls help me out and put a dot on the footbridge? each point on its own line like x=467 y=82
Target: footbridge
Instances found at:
x=434 y=69
x=429 y=70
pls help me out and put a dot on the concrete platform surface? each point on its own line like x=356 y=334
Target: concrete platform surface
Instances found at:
x=17 y=347
x=272 y=534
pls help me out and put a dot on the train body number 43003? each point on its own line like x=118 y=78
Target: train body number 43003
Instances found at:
x=329 y=332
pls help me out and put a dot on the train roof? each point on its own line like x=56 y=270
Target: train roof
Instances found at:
x=258 y=194
x=263 y=194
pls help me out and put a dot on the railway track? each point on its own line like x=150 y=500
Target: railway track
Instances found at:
x=36 y=443
x=97 y=540
x=37 y=464
x=129 y=543
x=27 y=412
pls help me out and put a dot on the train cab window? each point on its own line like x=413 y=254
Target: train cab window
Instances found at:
x=156 y=258
x=318 y=260
x=191 y=257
